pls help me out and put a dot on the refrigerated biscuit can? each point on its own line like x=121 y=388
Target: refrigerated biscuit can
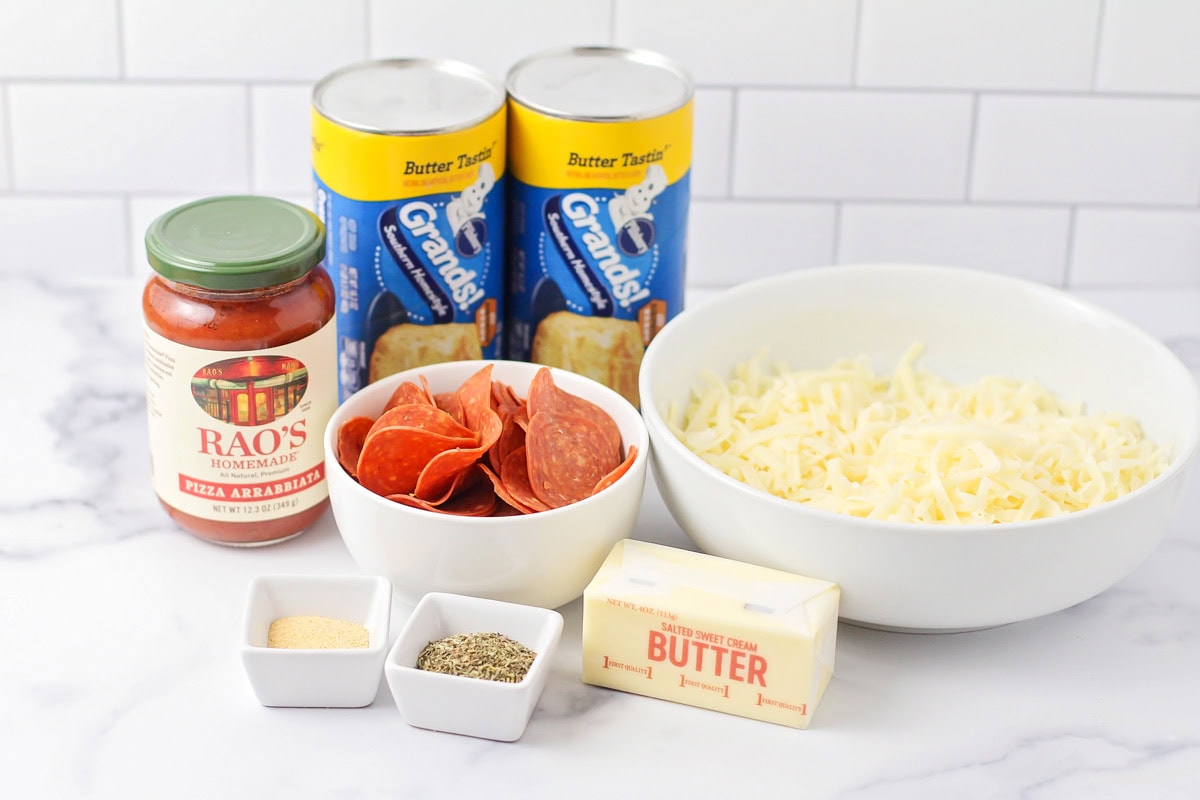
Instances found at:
x=600 y=148
x=409 y=179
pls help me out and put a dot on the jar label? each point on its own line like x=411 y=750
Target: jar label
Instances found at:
x=236 y=435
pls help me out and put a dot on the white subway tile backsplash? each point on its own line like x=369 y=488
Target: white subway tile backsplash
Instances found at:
x=281 y=129
x=713 y=131
x=1026 y=243
x=731 y=243
x=240 y=39
x=1056 y=140
x=1136 y=247
x=59 y=39
x=854 y=145
x=978 y=44
x=84 y=236
x=1150 y=46
x=490 y=35
x=128 y=137
x=765 y=42
x=1087 y=150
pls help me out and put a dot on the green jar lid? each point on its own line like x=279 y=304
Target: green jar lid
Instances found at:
x=235 y=243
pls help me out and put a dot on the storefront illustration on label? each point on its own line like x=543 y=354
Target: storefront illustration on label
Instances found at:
x=250 y=390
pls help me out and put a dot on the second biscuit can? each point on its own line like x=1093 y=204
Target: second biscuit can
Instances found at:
x=409 y=168
x=600 y=148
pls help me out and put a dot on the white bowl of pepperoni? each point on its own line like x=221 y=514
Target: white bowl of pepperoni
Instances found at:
x=496 y=479
x=1028 y=458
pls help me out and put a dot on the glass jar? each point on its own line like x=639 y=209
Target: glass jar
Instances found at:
x=241 y=367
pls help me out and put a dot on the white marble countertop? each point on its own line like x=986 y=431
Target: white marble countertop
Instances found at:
x=119 y=675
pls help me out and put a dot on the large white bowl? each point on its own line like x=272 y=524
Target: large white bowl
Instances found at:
x=543 y=559
x=924 y=576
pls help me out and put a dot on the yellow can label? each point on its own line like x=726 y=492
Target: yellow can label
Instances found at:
x=556 y=153
x=375 y=166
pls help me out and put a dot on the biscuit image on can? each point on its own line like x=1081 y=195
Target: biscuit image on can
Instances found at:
x=403 y=347
x=600 y=149
x=409 y=164
x=602 y=348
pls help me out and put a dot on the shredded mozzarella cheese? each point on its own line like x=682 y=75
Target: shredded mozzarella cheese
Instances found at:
x=912 y=447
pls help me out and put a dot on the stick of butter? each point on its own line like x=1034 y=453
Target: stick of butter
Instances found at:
x=710 y=632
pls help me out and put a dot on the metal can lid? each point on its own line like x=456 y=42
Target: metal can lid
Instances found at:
x=235 y=243
x=602 y=84
x=408 y=97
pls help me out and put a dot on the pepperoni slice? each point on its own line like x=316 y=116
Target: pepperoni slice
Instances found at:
x=457 y=482
x=567 y=456
x=612 y=477
x=476 y=397
x=478 y=500
x=424 y=416
x=499 y=396
x=409 y=500
x=425 y=388
x=504 y=396
x=511 y=437
x=351 y=437
x=515 y=477
x=544 y=395
x=449 y=402
x=392 y=458
x=444 y=468
x=406 y=393
x=506 y=497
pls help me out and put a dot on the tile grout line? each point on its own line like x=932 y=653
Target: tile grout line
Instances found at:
x=10 y=147
x=126 y=196
x=131 y=257
x=250 y=172
x=366 y=7
x=839 y=205
x=730 y=167
x=855 y=43
x=119 y=8
x=1069 y=255
x=1096 y=42
x=835 y=249
x=972 y=139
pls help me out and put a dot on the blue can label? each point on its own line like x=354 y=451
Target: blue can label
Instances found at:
x=603 y=253
x=419 y=280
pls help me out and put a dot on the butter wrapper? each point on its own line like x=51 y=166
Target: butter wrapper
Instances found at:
x=710 y=632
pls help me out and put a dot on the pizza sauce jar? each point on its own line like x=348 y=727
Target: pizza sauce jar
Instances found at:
x=241 y=367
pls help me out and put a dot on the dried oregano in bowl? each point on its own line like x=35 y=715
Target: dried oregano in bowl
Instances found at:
x=490 y=656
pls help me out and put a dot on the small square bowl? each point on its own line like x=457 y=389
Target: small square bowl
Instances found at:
x=471 y=706
x=317 y=678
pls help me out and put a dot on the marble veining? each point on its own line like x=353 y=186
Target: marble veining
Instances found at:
x=119 y=676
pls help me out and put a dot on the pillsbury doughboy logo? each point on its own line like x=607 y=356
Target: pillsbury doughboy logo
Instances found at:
x=466 y=217
x=630 y=212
